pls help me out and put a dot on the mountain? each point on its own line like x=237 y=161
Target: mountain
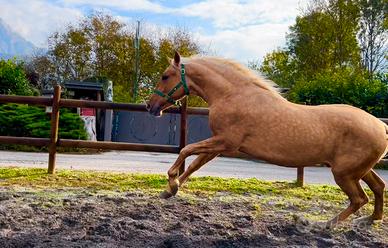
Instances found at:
x=13 y=44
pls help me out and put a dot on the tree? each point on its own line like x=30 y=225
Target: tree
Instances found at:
x=100 y=46
x=277 y=66
x=328 y=49
x=324 y=39
x=13 y=80
x=373 y=35
x=309 y=44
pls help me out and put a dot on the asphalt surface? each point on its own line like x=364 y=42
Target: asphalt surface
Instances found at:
x=147 y=162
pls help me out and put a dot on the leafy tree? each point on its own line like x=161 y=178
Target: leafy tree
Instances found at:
x=309 y=44
x=277 y=66
x=324 y=39
x=13 y=79
x=334 y=54
x=373 y=35
x=101 y=46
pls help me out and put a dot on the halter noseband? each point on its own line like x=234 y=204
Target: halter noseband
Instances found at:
x=183 y=83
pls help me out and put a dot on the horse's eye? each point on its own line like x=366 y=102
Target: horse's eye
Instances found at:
x=164 y=77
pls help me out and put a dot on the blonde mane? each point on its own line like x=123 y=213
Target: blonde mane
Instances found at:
x=239 y=68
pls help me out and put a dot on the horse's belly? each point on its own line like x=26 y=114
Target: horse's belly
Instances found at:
x=291 y=155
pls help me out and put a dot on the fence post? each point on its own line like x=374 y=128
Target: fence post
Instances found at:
x=183 y=131
x=54 y=129
x=300 y=176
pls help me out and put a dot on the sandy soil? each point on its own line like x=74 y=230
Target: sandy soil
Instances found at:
x=71 y=218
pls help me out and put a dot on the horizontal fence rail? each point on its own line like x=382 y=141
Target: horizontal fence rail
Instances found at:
x=71 y=103
x=33 y=100
x=24 y=141
x=106 y=145
x=53 y=142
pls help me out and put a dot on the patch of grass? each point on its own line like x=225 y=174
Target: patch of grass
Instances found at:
x=316 y=201
x=257 y=212
x=31 y=177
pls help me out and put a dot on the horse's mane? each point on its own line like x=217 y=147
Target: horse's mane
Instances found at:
x=239 y=68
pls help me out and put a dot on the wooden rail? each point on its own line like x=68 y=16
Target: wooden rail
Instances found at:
x=71 y=103
x=106 y=145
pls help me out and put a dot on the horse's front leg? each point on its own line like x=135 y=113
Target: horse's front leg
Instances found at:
x=213 y=145
x=202 y=159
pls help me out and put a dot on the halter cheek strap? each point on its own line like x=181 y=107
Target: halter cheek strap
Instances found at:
x=182 y=83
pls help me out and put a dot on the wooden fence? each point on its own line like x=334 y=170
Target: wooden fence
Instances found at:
x=53 y=142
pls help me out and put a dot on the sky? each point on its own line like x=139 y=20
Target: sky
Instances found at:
x=241 y=30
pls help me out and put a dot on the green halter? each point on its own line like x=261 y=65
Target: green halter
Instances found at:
x=183 y=83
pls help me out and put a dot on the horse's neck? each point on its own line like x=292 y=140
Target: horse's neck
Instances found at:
x=213 y=86
x=208 y=84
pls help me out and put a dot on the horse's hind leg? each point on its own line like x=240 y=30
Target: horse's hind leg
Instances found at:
x=356 y=194
x=377 y=185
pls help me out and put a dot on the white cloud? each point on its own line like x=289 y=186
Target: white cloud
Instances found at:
x=143 y=5
x=35 y=20
x=233 y=13
x=245 y=30
x=222 y=13
x=246 y=43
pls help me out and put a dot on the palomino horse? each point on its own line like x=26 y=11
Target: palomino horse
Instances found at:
x=246 y=114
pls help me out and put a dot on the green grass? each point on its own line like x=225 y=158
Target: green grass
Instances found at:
x=38 y=178
x=315 y=201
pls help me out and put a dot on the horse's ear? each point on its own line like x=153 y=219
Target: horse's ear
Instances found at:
x=177 y=58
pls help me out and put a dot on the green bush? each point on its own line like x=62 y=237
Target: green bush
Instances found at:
x=28 y=121
x=13 y=80
x=343 y=87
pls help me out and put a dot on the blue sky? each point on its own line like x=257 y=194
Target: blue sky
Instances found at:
x=241 y=30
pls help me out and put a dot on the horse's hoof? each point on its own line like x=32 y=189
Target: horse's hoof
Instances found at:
x=165 y=195
x=173 y=187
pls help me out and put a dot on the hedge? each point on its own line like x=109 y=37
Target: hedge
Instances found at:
x=23 y=120
x=343 y=87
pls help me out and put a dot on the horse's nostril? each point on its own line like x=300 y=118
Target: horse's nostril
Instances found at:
x=148 y=106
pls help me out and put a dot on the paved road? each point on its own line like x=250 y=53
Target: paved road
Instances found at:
x=147 y=162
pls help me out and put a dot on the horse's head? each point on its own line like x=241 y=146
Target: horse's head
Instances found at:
x=170 y=89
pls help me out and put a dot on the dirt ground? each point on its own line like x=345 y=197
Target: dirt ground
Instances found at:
x=82 y=218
